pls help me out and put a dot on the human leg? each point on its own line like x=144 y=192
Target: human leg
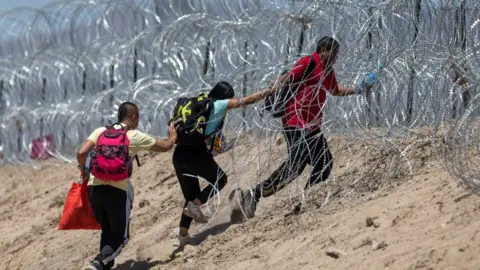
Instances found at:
x=112 y=210
x=190 y=187
x=294 y=165
x=321 y=161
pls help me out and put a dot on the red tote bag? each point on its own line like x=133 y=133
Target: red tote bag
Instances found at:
x=77 y=212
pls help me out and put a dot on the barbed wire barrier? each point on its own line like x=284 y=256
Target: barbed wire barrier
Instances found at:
x=65 y=68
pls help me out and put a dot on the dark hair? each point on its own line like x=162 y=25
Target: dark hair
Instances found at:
x=328 y=44
x=123 y=110
x=222 y=90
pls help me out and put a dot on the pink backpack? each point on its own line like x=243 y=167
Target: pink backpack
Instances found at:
x=110 y=160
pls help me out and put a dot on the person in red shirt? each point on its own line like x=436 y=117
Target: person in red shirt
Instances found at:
x=302 y=121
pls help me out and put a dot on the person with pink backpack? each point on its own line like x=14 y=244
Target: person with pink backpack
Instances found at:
x=110 y=191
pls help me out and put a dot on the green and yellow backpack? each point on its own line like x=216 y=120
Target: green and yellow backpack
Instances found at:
x=190 y=117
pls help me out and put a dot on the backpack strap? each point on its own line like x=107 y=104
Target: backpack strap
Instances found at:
x=113 y=126
x=312 y=64
x=202 y=96
x=209 y=107
x=138 y=160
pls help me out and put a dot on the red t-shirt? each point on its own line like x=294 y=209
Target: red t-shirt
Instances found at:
x=305 y=110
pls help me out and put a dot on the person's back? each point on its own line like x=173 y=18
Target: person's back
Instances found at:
x=112 y=199
x=138 y=141
x=305 y=109
x=201 y=117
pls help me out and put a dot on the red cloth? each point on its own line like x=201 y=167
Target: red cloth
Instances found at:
x=42 y=147
x=77 y=212
x=305 y=110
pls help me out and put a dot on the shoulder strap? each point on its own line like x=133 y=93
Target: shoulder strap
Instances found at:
x=138 y=161
x=202 y=96
x=312 y=64
x=209 y=107
x=119 y=124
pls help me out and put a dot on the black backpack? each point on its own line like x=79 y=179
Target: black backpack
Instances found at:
x=190 y=117
x=275 y=104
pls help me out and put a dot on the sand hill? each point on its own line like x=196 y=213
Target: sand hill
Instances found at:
x=381 y=210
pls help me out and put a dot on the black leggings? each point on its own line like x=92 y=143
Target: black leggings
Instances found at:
x=111 y=206
x=304 y=147
x=191 y=162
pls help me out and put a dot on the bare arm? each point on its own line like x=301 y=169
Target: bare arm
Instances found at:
x=164 y=145
x=82 y=154
x=343 y=91
x=245 y=101
x=280 y=82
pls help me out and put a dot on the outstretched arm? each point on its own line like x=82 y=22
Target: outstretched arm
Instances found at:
x=272 y=88
x=164 y=145
x=245 y=101
x=343 y=91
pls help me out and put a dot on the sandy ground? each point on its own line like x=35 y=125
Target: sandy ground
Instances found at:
x=417 y=215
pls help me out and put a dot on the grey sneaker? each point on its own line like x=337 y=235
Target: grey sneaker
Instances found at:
x=195 y=212
x=236 y=202
x=243 y=205
x=249 y=203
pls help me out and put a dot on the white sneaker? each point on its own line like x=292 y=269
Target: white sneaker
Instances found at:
x=195 y=212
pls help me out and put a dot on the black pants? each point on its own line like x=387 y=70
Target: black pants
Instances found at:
x=191 y=162
x=111 y=206
x=304 y=147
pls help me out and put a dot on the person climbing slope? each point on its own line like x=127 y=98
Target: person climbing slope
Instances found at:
x=110 y=191
x=199 y=121
x=301 y=114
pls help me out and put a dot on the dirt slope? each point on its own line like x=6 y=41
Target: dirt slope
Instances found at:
x=421 y=218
